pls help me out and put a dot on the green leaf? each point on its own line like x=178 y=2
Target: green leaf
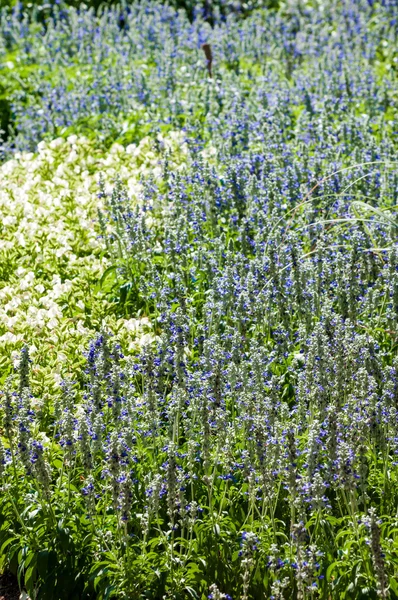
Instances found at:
x=20 y=571
x=31 y=558
x=42 y=563
x=332 y=567
x=359 y=205
x=109 y=591
x=6 y=544
x=64 y=538
x=46 y=590
x=343 y=533
x=393 y=585
x=109 y=274
x=123 y=292
x=191 y=592
x=193 y=568
x=30 y=580
x=216 y=529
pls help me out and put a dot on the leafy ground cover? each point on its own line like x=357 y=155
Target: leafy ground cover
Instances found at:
x=199 y=303
x=51 y=257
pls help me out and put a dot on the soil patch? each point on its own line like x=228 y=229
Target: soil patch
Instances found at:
x=9 y=589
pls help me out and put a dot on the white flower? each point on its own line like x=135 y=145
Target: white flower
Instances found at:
x=132 y=325
x=81 y=329
x=56 y=143
x=15 y=357
x=9 y=220
x=146 y=339
x=48 y=207
x=131 y=148
x=10 y=338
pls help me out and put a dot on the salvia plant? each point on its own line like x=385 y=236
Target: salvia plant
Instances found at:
x=247 y=447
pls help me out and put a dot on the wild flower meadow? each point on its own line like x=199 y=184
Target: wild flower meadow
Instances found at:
x=199 y=302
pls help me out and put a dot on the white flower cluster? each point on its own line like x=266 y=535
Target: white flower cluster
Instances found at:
x=50 y=250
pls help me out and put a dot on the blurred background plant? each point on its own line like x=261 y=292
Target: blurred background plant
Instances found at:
x=208 y=8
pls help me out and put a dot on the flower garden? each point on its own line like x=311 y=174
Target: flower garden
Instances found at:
x=199 y=301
